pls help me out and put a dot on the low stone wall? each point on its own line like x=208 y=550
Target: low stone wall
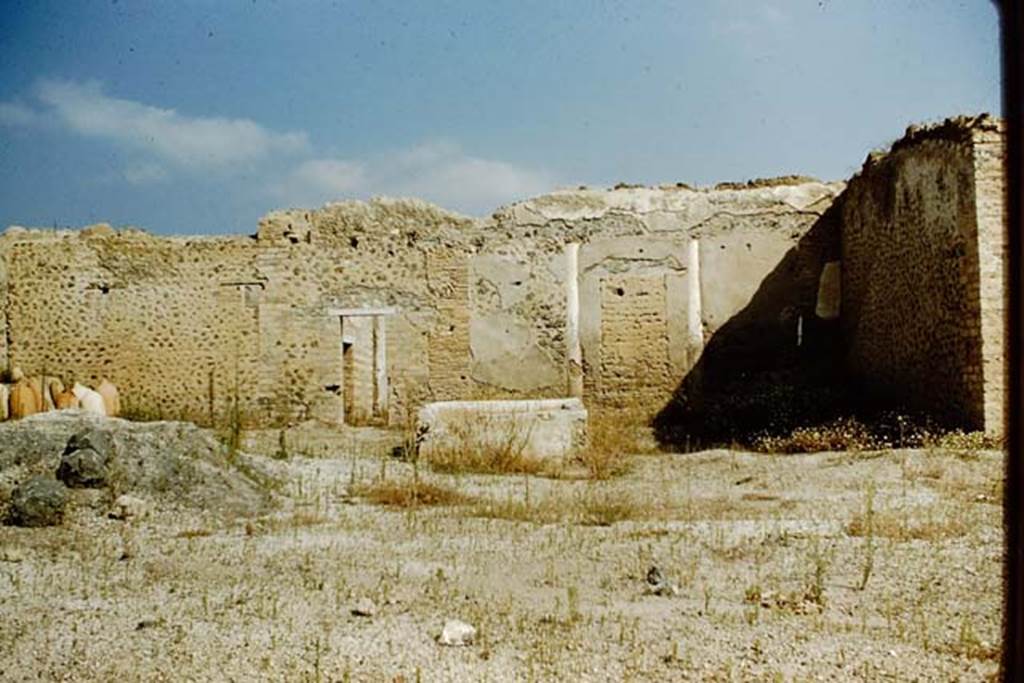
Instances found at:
x=548 y=428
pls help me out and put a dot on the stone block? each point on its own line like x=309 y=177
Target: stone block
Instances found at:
x=548 y=428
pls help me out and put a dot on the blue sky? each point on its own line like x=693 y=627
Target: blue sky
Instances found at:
x=200 y=116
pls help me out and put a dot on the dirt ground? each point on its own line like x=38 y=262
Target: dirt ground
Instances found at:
x=832 y=566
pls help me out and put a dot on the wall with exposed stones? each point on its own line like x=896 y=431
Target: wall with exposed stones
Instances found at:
x=174 y=321
x=168 y=320
x=469 y=309
x=923 y=258
x=360 y=312
x=990 y=205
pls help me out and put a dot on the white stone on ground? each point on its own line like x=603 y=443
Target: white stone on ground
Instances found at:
x=457 y=633
x=128 y=507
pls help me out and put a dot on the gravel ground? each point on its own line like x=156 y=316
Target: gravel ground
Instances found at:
x=767 y=556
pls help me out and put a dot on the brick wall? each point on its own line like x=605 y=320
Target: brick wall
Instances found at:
x=635 y=369
x=990 y=207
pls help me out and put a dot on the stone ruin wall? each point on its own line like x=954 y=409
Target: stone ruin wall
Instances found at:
x=480 y=309
x=406 y=255
x=660 y=271
x=923 y=259
x=174 y=321
x=162 y=318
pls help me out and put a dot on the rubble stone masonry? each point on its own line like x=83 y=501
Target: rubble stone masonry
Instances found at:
x=476 y=308
x=923 y=258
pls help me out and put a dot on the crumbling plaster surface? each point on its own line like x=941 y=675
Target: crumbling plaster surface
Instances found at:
x=743 y=233
x=185 y=325
x=672 y=207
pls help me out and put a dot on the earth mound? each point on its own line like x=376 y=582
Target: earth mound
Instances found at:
x=173 y=464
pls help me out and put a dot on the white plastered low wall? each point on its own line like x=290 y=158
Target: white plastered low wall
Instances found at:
x=548 y=428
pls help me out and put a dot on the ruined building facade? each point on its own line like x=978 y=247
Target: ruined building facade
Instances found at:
x=360 y=312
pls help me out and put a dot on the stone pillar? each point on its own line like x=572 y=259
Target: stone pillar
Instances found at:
x=694 y=326
x=573 y=350
x=380 y=367
x=694 y=315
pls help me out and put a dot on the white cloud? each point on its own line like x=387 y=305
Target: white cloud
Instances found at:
x=437 y=171
x=328 y=177
x=161 y=143
x=198 y=142
x=145 y=174
x=15 y=114
x=748 y=20
x=442 y=173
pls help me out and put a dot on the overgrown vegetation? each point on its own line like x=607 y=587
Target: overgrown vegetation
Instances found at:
x=793 y=403
x=493 y=445
x=887 y=430
x=484 y=445
x=614 y=436
x=844 y=434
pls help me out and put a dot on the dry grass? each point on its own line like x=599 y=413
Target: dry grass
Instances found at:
x=963 y=443
x=924 y=523
x=296 y=520
x=484 y=445
x=589 y=508
x=968 y=644
x=930 y=467
x=194 y=533
x=608 y=507
x=600 y=505
x=954 y=474
x=550 y=602
x=409 y=493
x=602 y=464
x=759 y=496
x=482 y=460
x=613 y=438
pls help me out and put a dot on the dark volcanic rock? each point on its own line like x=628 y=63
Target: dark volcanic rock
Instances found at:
x=40 y=501
x=85 y=459
x=100 y=441
x=83 y=469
